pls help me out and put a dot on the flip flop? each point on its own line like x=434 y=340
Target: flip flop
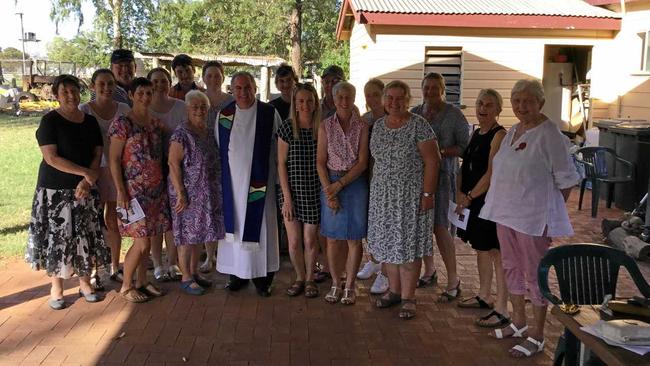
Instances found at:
x=475 y=302
x=501 y=320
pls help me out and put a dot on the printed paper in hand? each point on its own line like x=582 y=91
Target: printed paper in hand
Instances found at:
x=459 y=221
x=131 y=214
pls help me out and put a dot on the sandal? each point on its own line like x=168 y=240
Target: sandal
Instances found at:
x=296 y=289
x=349 y=296
x=501 y=320
x=517 y=332
x=407 y=310
x=117 y=276
x=207 y=266
x=150 y=290
x=450 y=295
x=475 y=302
x=334 y=295
x=174 y=273
x=187 y=287
x=96 y=283
x=133 y=295
x=160 y=274
x=311 y=290
x=527 y=352
x=428 y=281
x=388 y=300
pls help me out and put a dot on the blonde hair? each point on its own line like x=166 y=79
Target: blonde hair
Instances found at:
x=315 y=116
x=439 y=78
x=492 y=93
x=399 y=84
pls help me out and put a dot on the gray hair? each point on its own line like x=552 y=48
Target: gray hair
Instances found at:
x=399 y=84
x=492 y=93
x=343 y=85
x=243 y=73
x=532 y=86
x=197 y=94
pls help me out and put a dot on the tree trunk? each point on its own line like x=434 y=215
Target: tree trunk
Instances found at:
x=295 y=29
x=633 y=246
x=116 y=10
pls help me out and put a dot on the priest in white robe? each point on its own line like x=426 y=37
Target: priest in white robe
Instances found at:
x=245 y=133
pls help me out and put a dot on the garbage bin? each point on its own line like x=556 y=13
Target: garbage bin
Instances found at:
x=632 y=144
x=606 y=138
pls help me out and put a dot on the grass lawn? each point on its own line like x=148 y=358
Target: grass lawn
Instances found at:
x=19 y=161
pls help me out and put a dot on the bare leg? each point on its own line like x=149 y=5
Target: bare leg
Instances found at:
x=210 y=258
x=333 y=254
x=184 y=254
x=296 y=253
x=394 y=282
x=84 y=285
x=133 y=260
x=448 y=252
x=536 y=332
x=194 y=259
x=56 y=291
x=484 y=262
x=310 y=239
x=323 y=256
x=429 y=266
x=355 y=252
x=156 y=251
x=112 y=235
x=172 y=255
x=408 y=275
x=501 y=304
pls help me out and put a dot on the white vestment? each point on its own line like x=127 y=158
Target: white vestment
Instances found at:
x=233 y=257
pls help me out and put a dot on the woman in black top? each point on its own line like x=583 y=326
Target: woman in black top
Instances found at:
x=472 y=185
x=65 y=236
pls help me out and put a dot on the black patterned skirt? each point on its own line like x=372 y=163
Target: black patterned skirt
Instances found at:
x=65 y=235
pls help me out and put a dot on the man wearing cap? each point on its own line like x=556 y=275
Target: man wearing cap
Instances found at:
x=123 y=67
x=245 y=134
x=331 y=75
x=184 y=71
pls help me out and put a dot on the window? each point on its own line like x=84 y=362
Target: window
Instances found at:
x=448 y=62
x=645 y=51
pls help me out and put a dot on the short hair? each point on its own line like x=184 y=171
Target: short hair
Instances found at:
x=533 y=86
x=99 y=72
x=341 y=86
x=376 y=83
x=66 y=80
x=213 y=63
x=242 y=73
x=293 y=115
x=492 y=93
x=399 y=84
x=285 y=70
x=334 y=70
x=196 y=94
x=181 y=60
x=161 y=70
x=121 y=55
x=434 y=76
x=139 y=82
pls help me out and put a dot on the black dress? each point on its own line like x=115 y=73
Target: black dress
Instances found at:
x=480 y=233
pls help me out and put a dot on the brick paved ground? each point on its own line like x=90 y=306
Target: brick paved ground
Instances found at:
x=244 y=329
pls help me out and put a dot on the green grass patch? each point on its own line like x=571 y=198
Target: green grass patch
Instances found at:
x=19 y=161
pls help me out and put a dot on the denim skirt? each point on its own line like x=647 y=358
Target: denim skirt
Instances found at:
x=350 y=222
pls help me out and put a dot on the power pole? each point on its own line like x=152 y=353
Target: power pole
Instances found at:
x=22 y=39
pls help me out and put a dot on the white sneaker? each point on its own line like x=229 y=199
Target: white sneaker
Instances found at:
x=380 y=285
x=369 y=269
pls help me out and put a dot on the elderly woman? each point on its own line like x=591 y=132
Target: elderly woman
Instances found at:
x=452 y=131
x=213 y=77
x=65 y=236
x=373 y=92
x=171 y=112
x=342 y=159
x=532 y=176
x=105 y=110
x=473 y=182
x=195 y=190
x=300 y=187
x=135 y=159
x=402 y=191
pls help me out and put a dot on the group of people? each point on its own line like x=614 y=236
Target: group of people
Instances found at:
x=210 y=169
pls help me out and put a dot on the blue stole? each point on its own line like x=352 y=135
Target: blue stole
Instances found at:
x=259 y=170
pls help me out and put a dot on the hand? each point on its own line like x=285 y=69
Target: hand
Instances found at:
x=333 y=204
x=333 y=189
x=181 y=202
x=287 y=210
x=82 y=190
x=91 y=176
x=426 y=203
x=462 y=202
x=122 y=199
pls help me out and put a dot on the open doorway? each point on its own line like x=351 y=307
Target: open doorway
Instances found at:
x=566 y=86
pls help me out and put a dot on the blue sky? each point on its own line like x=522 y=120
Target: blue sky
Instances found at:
x=36 y=19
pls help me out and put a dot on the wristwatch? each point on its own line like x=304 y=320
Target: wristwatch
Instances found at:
x=427 y=194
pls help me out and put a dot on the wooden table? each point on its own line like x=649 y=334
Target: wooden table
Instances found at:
x=612 y=356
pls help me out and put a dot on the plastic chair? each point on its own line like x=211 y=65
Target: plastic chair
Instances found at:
x=595 y=161
x=585 y=274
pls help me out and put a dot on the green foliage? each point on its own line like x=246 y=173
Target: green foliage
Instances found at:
x=12 y=53
x=85 y=50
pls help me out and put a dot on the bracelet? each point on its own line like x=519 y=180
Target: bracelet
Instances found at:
x=469 y=195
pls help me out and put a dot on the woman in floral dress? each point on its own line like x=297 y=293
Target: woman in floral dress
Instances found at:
x=135 y=161
x=195 y=190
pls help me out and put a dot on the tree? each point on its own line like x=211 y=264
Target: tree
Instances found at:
x=12 y=53
x=295 y=30
x=84 y=50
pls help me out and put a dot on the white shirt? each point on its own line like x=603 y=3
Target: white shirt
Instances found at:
x=104 y=124
x=527 y=177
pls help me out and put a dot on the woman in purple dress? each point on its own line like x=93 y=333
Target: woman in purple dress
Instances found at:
x=194 y=190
